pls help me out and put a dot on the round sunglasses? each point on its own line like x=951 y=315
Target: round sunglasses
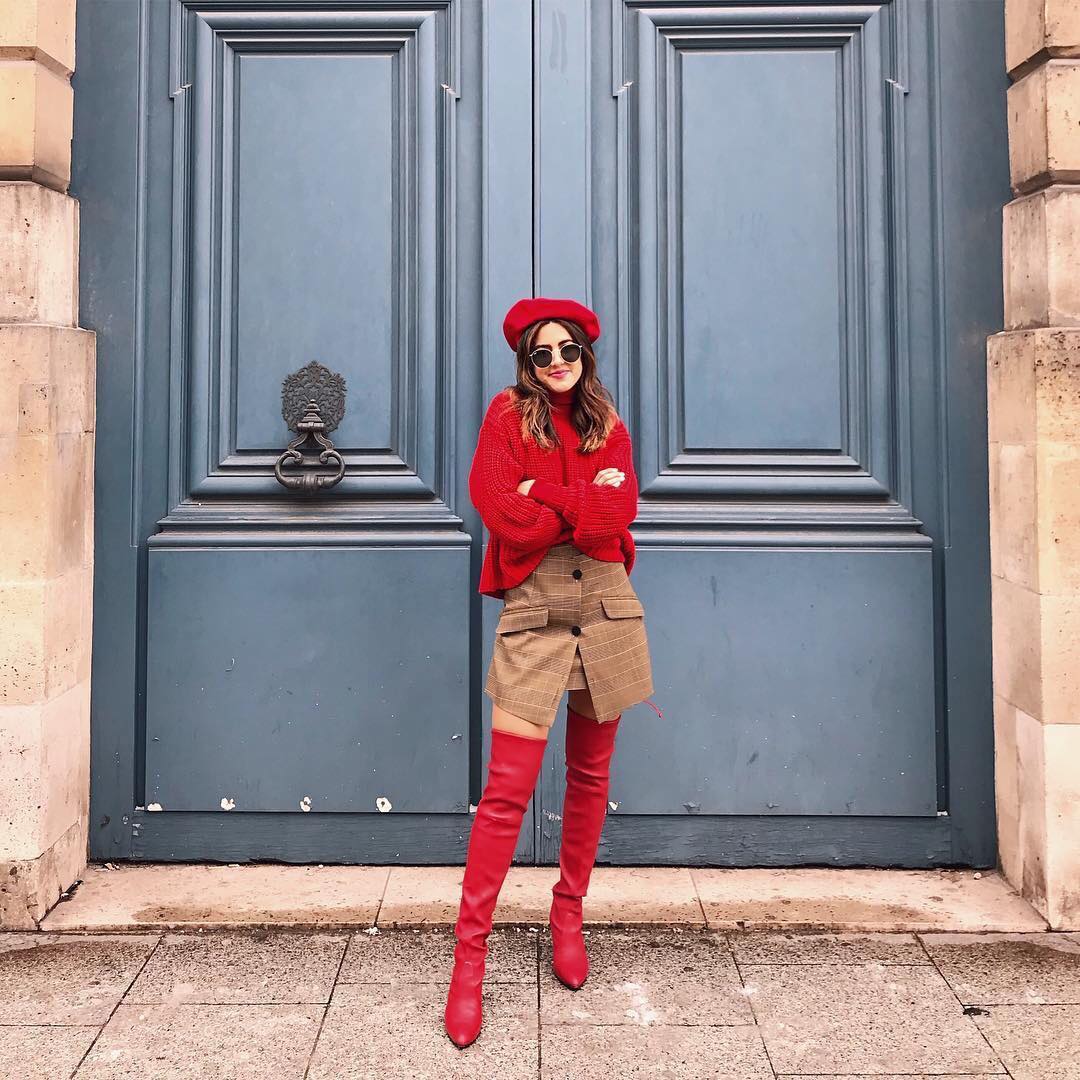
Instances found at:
x=570 y=351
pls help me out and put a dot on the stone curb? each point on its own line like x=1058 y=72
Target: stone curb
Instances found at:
x=118 y=898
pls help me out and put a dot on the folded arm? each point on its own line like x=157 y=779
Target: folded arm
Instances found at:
x=518 y=520
x=596 y=511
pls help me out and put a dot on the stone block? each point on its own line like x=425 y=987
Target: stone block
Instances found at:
x=1037 y=29
x=1006 y=789
x=1057 y=468
x=35 y=137
x=1041 y=246
x=47 y=379
x=44 y=772
x=30 y=887
x=1010 y=386
x=1060 y=650
x=1034 y=385
x=1044 y=126
x=68 y=613
x=1036 y=651
x=1031 y=809
x=22 y=645
x=20 y=780
x=1062 y=757
x=42 y=30
x=46 y=505
x=1042 y=858
x=46 y=646
x=65 y=763
x=1028 y=140
x=39 y=244
x=1033 y=420
x=1017 y=645
x=1013 y=512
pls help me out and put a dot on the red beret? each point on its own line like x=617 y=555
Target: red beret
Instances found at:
x=534 y=308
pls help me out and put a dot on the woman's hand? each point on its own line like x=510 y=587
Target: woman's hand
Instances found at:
x=614 y=477
x=611 y=477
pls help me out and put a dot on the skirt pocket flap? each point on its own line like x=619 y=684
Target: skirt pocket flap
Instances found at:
x=622 y=607
x=522 y=619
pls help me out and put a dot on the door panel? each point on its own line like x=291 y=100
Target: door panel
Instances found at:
x=757 y=198
x=805 y=685
x=315 y=211
x=273 y=683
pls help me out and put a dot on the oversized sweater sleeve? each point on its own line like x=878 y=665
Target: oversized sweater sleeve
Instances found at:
x=518 y=520
x=596 y=511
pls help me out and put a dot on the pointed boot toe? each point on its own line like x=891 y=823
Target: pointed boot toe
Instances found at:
x=464 y=1016
x=569 y=960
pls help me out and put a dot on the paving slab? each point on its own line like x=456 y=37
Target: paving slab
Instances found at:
x=855 y=1018
x=427 y=956
x=641 y=895
x=43 y=1053
x=822 y=947
x=648 y=977
x=1009 y=969
x=200 y=1042
x=622 y=896
x=426 y=895
x=575 y=1052
x=67 y=978
x=377 y=1033
x=1036 y=1042
x=862 y=899
x=172 y=896
x=241 y=967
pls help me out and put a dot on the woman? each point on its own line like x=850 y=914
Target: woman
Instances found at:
x=553 y=481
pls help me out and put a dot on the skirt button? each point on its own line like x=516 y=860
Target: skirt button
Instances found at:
x=575 y=630
x=577 y=573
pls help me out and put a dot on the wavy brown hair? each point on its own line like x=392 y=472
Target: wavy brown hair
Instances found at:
x=594 y=413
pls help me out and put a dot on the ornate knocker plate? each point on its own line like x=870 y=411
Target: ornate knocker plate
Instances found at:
x=312 y=404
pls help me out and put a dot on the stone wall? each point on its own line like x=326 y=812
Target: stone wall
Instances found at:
x=46 y=472
x=1033 y=372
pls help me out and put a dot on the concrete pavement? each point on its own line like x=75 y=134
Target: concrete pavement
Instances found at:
x=662 y=1001
x=252 y=971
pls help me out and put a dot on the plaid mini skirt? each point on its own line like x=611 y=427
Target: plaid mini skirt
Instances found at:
x=574 y=623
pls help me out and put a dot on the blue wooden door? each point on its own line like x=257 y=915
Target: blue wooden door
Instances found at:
x=786 y=216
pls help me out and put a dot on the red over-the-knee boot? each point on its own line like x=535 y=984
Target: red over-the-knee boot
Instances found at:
x=589 y=746
x=512 y=771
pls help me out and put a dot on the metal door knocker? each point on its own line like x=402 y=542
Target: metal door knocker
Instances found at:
x=312 y=404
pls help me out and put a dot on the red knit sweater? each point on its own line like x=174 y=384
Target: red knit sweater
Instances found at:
x=563 y=504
